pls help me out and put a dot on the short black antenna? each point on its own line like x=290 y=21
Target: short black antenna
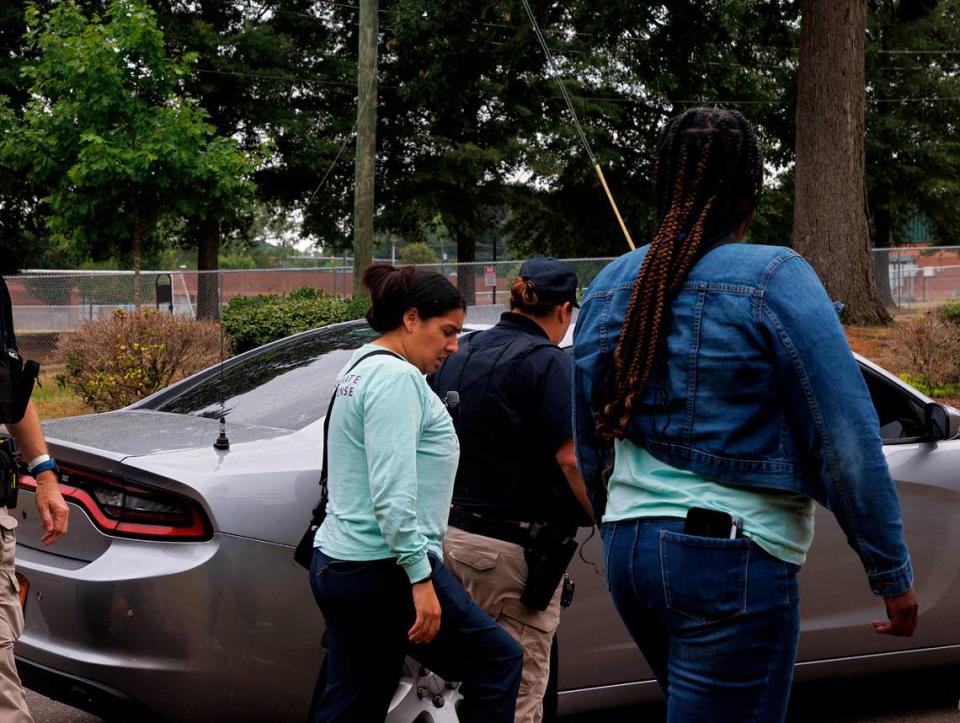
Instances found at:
x=222 y=442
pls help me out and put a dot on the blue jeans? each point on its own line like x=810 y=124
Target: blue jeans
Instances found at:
x=368 y=609
x=716 y=619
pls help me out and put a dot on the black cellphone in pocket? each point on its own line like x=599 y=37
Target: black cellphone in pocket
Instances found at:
x=710 y=523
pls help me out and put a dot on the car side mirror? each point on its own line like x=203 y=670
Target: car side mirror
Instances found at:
x=940 y=422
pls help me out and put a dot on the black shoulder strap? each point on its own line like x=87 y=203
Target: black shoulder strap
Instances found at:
x=333 y=398
x=7 y=338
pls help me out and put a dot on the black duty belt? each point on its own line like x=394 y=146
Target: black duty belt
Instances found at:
x=519 y=533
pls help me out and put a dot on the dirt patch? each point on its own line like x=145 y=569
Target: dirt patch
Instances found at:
x=879 y=344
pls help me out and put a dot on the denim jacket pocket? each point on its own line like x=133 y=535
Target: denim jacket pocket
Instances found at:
x=704 y=578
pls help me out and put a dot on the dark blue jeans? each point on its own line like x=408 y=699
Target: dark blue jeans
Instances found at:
x=717 y=620
x=368 y=609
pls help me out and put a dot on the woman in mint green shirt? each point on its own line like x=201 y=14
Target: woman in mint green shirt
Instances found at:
x=377 y=573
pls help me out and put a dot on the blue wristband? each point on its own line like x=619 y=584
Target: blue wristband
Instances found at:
x=49 y=465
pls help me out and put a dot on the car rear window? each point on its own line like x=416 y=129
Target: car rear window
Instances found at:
x=287 y=386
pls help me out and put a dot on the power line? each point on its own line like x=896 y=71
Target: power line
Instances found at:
x=576 y=122
x=563 y=89
x=902 y=51
x=291 y=78
x=353 y=130
x=929 y=98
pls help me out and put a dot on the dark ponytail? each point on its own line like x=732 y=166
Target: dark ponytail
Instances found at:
x=394 y=290
x=524 y=297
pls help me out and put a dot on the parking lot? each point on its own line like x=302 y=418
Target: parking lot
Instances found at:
x=921 y=697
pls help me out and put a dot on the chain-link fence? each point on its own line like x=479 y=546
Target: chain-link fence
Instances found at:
x=47 y=304
x=917 y=278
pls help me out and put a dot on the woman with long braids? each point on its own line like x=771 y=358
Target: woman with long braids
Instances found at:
x=715 y=399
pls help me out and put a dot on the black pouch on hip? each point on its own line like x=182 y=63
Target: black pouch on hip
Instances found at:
x=9 y=474
x=303 y=554
x=546 y=566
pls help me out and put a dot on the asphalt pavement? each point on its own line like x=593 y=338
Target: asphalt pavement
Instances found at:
x=45 y=710
x=921 y=697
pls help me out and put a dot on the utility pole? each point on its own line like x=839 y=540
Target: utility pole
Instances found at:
x=366 y=158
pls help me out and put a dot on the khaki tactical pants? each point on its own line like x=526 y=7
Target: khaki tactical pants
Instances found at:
x=494 y=573
x=13 y=702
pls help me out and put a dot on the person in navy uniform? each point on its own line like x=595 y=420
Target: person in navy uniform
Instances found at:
x=22 y=422
x=518 y=498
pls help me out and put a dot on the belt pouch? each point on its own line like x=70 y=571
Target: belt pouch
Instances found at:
x=546 y=565
x=9 y=475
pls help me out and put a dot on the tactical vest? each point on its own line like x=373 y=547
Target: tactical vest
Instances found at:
x=16 y=377
x=501 y=475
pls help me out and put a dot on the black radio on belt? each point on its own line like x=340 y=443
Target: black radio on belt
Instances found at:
x=451 y=400
x=9 y=474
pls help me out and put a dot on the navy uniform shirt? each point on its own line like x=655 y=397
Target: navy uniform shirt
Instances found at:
x=7 y=338
x=515 y=413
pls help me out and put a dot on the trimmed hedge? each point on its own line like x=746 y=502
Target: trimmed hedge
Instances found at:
x=251 y=321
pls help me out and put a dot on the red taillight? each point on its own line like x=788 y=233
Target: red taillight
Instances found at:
x=130 y=510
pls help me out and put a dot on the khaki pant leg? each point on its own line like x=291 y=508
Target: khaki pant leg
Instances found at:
x=13 y=702
x=493 y=573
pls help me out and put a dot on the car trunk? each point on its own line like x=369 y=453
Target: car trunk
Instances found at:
x=106 y=448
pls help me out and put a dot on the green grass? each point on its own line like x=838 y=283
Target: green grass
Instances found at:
x=53 y=401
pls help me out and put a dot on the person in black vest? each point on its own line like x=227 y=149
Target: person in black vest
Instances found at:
x=20 y=417
x=518 y=498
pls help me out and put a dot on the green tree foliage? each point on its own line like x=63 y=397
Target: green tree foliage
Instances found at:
x=281 y=70
x=418 y=253
x=913 y=138
x=475 y=122
x=630 y=67
x=473 y=135
x=109 y=138
x=21 y=232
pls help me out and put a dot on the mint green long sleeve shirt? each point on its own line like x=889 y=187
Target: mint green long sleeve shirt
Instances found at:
x=392 y=460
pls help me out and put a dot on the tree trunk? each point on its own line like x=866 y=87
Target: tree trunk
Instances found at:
x=830 y=214
x=135 y=253
x=208 y=263
x=881 y=259
x=366 y=159
x=466 y=275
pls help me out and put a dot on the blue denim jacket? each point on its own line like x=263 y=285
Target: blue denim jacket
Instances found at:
x=758 y=389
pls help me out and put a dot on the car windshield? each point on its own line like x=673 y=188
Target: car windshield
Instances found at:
x=287 y=386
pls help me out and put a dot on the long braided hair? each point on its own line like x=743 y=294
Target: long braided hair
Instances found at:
x=709 y=176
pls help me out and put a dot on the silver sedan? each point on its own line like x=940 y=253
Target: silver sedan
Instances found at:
x=175 y=594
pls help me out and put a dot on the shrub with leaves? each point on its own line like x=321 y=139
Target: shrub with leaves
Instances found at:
x=950 y=312
x=933 y=347
x=113 y=362
x=250 y=321
x=418 y=253
x=919 y=382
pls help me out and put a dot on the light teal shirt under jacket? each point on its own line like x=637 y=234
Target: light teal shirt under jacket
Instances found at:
x=392 y=460
x=643 y=486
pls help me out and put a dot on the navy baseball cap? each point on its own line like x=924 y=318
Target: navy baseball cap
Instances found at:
x=556 y=281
